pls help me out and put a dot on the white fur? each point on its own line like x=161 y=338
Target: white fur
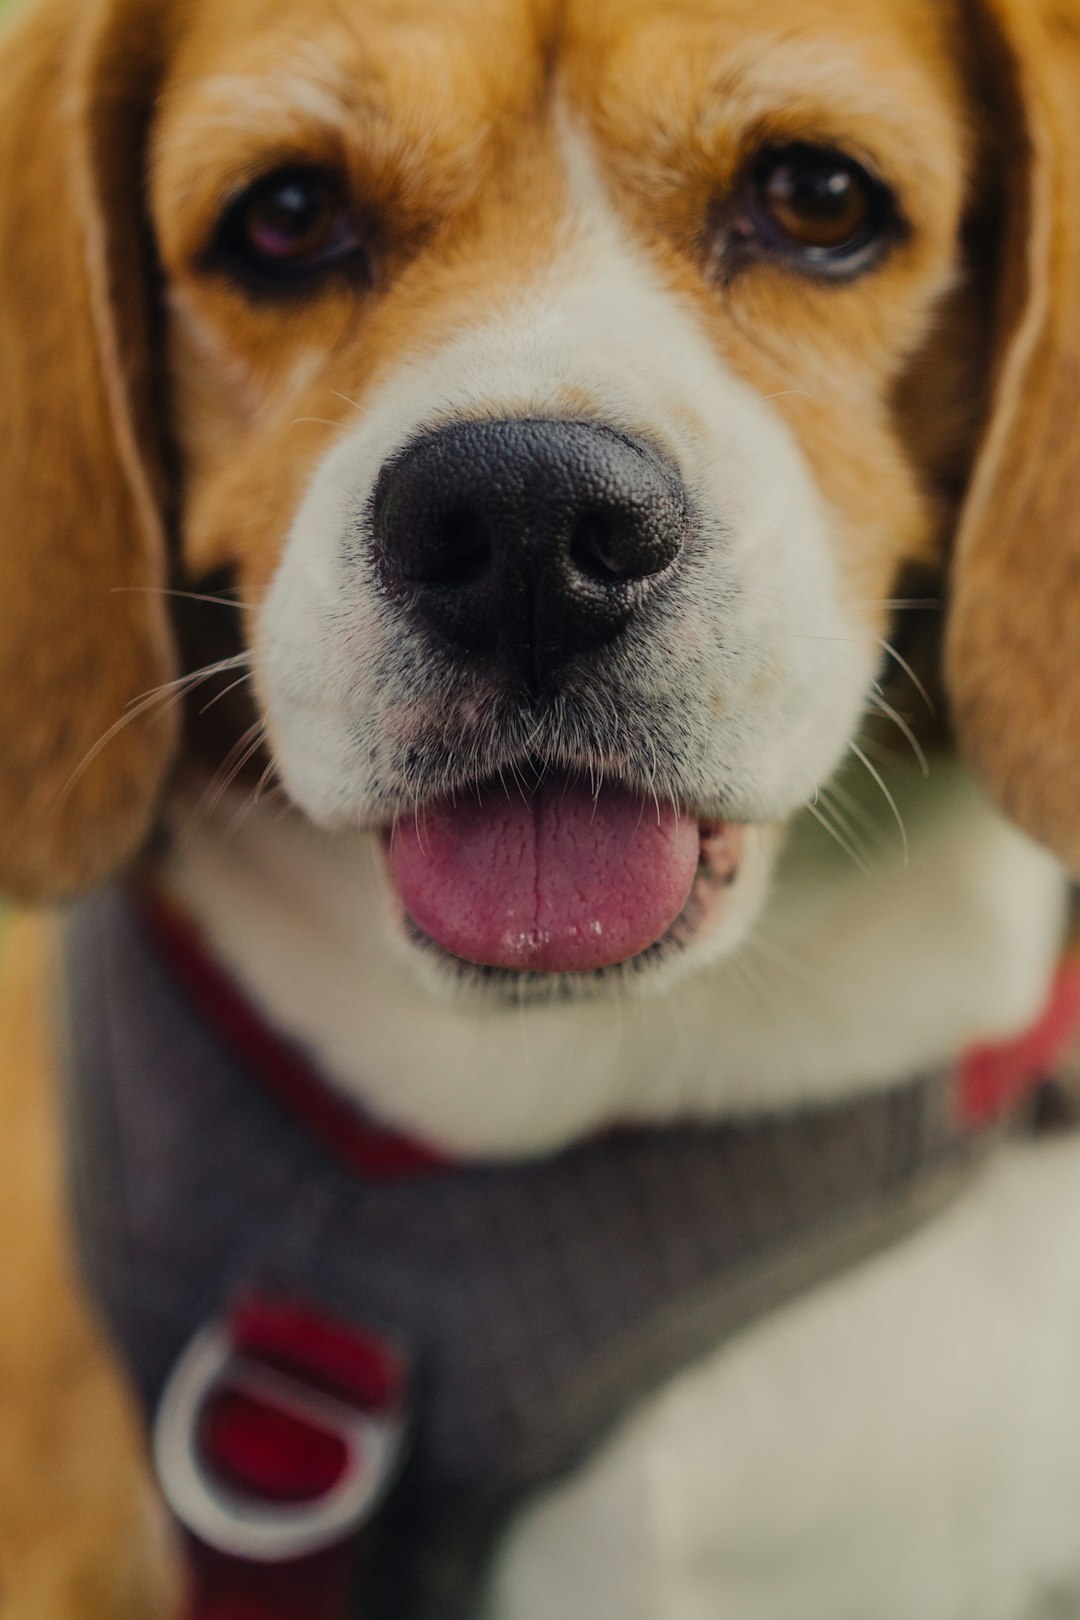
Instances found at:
x=847 y=981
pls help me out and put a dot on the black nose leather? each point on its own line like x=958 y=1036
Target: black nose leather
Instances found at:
x=527 y=542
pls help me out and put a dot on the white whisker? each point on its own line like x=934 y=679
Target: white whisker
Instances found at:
x=845 y=822
x=232 y=686
x=185 y=596
x=855 y=810
x=848 y=848
x=905 y=730
x=889 y=799
x=903 y=664
x=162 y=697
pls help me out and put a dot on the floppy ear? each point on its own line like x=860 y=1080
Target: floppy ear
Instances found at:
x=83 y=628
x=1013 y=638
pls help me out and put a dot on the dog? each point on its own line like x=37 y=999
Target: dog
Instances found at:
x=481 y=483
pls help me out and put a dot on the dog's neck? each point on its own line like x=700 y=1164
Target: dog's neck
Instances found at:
x=852 y=980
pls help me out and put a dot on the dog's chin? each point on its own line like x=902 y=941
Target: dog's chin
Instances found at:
x=529 y=895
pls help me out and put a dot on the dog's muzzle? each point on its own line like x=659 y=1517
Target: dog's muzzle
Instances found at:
x=518 y=548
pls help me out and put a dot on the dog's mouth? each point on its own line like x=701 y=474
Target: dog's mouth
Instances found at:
x=557 y=878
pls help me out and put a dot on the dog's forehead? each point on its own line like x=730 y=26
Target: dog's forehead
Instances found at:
x=609 y=33
x=494 y=57
x=486 y=29
x=382 y=53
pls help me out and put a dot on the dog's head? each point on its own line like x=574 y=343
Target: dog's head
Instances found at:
x=565 y=387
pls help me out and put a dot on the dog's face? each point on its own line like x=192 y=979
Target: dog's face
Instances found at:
x=566 y=388
x=536 y=376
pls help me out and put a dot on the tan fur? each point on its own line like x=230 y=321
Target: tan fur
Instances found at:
x=74 y=1508
x=1012 y=666
x=81 y=550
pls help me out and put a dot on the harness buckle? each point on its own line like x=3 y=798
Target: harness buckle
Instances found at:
x=279 y=1432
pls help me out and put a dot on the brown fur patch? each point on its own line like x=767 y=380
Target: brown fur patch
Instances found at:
x=81 y=552
x=75 y=1511
x=1012 y=665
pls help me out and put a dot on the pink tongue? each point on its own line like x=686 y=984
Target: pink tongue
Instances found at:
x=554 y=881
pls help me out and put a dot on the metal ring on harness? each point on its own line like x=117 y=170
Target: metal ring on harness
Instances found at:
x=233 y=1516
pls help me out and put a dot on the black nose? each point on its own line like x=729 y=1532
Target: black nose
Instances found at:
x=527 y=542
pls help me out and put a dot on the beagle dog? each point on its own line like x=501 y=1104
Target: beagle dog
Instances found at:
x=487 y=490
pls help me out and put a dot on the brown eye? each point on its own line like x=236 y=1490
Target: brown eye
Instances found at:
x=287 y=226
x=818 y=208
x=816 y=200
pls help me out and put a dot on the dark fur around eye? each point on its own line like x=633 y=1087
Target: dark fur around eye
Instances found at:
x=287 y=231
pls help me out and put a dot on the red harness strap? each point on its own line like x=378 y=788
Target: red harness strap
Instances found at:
x=370 y=1149
x=277 y=1436
x=991 y=1080
x=223 y=1588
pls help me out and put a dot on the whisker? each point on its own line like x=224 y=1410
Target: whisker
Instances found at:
x=901 y=724
x=903 y=664
x=244 y=758
x=253 y=801
x=890 y=801
x=855 y=809
x=264 y=785
x=187 y=596
x=162 y=697
x=242 y=750
x=845 y=822
x=849 y=850
x=225 y=692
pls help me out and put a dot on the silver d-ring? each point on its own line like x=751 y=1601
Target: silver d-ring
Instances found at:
x=242 y=1525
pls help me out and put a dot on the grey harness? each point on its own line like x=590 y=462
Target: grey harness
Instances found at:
x=537 y=1303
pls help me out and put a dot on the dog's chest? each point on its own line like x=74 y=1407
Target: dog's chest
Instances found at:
x=862 y=1445
x=905 y=1442
x=539 y=1303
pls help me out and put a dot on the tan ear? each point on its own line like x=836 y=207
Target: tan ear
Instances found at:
x=84 y=632
x=1013 y=639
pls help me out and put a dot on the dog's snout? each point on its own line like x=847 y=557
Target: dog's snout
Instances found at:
x=527 y=542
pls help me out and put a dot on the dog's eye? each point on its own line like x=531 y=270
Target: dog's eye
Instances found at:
x=288 y=225
x=817 y=207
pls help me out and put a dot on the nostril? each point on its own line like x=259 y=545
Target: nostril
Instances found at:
x=444 y=548
x=612 y=545
x=599 y=549
x=462 y=550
